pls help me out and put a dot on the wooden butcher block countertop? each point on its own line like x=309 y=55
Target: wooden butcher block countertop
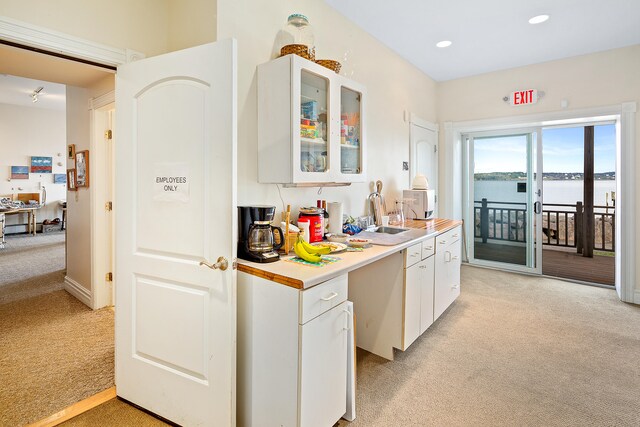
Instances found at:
x=303 y=276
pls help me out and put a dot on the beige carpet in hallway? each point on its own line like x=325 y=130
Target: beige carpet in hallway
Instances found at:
x=31 y=265
x=512 y=351
x=54 y=351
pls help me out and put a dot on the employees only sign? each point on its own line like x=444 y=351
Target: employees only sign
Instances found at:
x=171 y=182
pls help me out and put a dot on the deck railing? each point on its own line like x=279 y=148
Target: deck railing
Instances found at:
x=561 y=224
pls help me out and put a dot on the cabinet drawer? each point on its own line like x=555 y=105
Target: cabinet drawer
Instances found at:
x=428 y=248
x=320 y=298
x=412 y=255
x=448 y=238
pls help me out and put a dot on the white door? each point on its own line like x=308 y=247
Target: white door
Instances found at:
x=175 y=207
x=424 y=153
x=503 y=213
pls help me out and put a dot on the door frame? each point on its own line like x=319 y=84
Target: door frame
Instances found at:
x=55 y=42
x=534 y=166
x=625 y=116
x=74 y=48
x=102 y=225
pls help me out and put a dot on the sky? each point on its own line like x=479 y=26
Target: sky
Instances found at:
x=562 y=151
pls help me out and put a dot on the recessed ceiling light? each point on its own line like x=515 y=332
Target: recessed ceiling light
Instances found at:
x=538 y=19
x=444 y=43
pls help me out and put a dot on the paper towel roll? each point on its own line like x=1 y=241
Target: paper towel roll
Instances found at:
x=335 y=217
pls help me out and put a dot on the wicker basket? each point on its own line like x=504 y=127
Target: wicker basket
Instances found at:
x=330 y=64
x=300 y=50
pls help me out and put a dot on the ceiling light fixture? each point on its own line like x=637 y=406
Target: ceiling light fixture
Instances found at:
x=444 y=43
x=538 y=19
x=35 y=93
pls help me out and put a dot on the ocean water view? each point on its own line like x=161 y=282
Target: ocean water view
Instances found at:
x=554 y=191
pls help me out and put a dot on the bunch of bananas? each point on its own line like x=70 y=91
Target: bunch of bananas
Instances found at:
x=309 y=252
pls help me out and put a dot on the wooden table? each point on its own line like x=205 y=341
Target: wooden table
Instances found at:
x=31 y=217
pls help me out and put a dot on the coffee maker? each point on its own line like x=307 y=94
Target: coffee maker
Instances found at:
x=255 y=234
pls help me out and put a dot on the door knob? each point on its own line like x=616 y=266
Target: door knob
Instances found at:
x=221 y=264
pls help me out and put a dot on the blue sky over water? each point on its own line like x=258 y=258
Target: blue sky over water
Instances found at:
x=562 y=150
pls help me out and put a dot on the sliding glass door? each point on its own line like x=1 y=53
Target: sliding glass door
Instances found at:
x=504 y=199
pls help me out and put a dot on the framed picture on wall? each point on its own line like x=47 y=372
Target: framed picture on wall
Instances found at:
x=82 y=168
x=19 y=172
x=71 y=151
x=59 y=178
x=41 y=164
x=71 y=180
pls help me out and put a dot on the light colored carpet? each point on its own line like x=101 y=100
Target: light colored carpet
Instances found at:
x=54 y=351
x=31 y=265
x=511 y=351
x=115 y=412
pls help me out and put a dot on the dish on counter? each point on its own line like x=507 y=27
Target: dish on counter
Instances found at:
x=357 y=242
x=335 y=246
x=338 y=238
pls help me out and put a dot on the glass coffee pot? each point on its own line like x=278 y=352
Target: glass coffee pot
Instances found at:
x=260 y=238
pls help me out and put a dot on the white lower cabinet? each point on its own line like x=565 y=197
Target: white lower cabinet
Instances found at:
x=427 y=282
x=447 y=278
x=418 y=300
x=397 y=298
x=292 y=353
x=323 y=369
x=412 y=289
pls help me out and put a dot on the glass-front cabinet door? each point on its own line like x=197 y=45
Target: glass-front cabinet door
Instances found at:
x=351 y=142
x=312 y=128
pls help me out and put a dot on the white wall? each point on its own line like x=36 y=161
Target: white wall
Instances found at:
x=148 y=26
x=596 y=80
x=26 y=132
x=140 y=25
x=393 y=86
x=191 y=23
x=78 y=202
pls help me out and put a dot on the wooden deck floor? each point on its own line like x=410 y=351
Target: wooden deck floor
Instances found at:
x=556 y=263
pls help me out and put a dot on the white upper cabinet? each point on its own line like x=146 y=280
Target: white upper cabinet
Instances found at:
x=310 y=124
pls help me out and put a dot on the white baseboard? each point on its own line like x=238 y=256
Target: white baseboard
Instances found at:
x=636 y=297
x=78 y=291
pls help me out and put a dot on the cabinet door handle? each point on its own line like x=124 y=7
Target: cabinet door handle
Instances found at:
x=413 y=255
x=330 y=297
x=429 y=248
x=349 y=321
x=443 y=242
x=454 y=257
x=454 y=236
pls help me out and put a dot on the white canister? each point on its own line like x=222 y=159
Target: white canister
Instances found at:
x=304 y=228
x=335 y=217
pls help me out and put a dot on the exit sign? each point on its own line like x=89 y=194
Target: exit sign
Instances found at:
x=524 y=97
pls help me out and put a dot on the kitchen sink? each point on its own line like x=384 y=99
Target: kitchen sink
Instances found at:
x=390 y=230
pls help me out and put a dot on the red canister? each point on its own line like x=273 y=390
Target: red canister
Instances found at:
x=314 y=217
